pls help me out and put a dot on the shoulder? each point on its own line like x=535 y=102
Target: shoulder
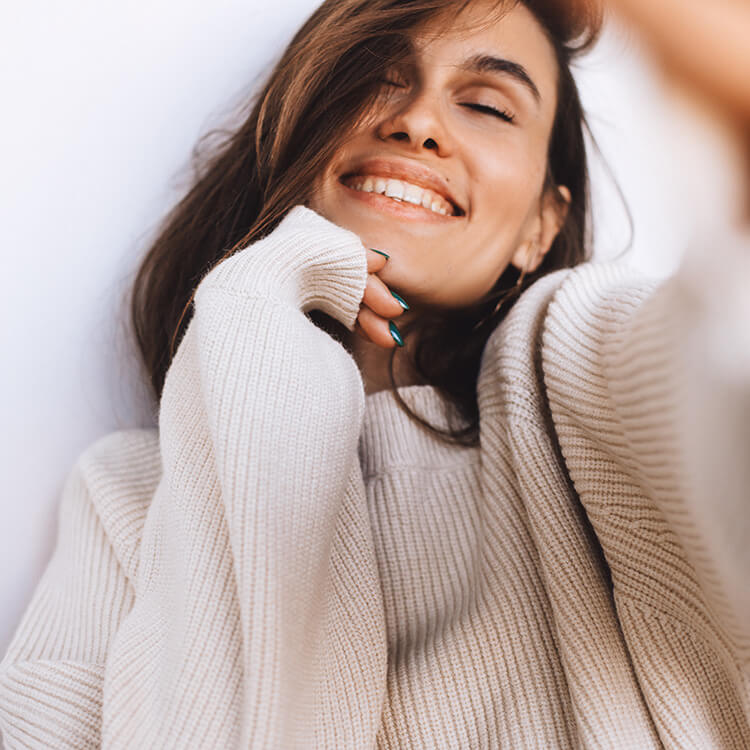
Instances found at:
x=510 y=383
x=555 y=330
x=577 y=296
x=115 y=477
x=593 y=290
x=587 y=318
x=512 y=338
x=119 y=457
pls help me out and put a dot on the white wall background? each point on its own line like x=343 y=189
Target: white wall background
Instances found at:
x=102 y=104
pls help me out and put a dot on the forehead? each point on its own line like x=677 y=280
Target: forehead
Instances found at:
x=494 y=29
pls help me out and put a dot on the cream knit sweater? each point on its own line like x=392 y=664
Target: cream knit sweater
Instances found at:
x=291 y=564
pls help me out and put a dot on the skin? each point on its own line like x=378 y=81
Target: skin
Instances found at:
x=494 y=169
x=704 y=47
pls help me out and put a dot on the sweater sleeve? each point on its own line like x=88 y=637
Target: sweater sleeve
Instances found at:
x=257 y=598
x=649 y=387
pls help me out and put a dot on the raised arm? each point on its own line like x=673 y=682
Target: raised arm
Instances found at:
x=659 y=380
x=649 y=390
x=256 y=595
x=664 y=384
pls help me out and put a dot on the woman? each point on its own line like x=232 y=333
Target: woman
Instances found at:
x=524 y=553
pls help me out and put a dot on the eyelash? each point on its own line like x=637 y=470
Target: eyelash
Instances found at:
x=482 y=108
x=501 y=114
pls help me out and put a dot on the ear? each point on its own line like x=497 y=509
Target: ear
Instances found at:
x=546 y=226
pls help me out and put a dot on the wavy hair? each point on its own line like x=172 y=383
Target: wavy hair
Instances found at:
x=325 y=81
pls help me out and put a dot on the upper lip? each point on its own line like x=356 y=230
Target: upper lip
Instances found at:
x=408 y=171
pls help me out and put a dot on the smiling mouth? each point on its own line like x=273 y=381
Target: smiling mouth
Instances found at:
x=403 y=192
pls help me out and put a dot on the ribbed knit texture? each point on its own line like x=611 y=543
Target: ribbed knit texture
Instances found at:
x=288 y=563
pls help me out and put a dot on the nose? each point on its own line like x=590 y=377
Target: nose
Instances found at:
x=417 y=123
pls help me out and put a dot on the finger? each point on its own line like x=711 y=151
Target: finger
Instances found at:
x=380 y=300
x=375 y=261
x=361 y=332
x=376 y=328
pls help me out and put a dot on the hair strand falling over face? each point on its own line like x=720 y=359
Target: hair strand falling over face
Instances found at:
x=325 y=81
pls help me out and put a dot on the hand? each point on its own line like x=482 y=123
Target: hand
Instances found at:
x=705 y=46
x=378 y=306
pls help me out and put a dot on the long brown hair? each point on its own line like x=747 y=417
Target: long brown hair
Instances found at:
x=324 y=82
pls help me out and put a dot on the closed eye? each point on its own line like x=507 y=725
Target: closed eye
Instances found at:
x=485 y=109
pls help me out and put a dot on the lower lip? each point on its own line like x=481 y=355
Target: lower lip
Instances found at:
x=401 y=209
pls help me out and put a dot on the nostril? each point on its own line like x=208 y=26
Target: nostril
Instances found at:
x=401 y=136
x=430 y=143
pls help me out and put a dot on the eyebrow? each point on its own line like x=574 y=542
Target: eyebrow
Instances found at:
x=491 y=64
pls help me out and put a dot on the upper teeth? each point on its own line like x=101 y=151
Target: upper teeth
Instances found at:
x=402 y=191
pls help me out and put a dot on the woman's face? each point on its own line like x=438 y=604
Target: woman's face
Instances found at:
x=447 y=174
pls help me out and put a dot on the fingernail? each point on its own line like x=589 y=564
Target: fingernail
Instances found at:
x=400 y=300
x=387 y=257
x=395 y=333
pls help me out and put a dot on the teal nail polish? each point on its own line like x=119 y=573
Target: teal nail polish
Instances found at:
x=400 y=300
x=387 y=257
x=395 y=333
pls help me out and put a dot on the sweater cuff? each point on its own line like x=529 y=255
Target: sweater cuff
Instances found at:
x=307 y=262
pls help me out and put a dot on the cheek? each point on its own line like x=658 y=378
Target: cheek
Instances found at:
x=502 y=215
x=507 y=192
x=509 y=181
